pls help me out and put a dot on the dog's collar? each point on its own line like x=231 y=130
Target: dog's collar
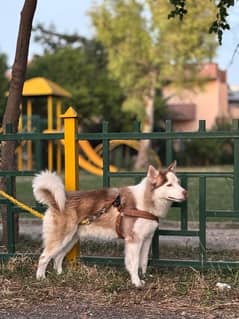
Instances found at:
x=132 y=212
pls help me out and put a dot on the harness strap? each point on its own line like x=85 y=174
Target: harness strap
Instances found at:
x=90 y=219
x=118 y=225
x=131 y=212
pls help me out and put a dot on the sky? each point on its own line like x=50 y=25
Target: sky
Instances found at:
x=71 y=16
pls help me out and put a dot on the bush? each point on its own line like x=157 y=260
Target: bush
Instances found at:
x=208 y=151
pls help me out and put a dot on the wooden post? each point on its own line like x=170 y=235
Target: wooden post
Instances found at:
x=71 y=163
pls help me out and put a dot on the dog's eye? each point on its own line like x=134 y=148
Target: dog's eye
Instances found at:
x=169 y=185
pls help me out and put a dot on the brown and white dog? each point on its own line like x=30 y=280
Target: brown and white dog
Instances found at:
x=107 y=211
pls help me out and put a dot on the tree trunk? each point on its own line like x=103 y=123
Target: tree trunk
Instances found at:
x=142 y=160
x=12 y=110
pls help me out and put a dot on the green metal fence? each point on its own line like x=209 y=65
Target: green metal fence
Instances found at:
x=202 y=261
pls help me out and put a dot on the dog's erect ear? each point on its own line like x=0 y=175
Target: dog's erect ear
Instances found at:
x=172 y=166
x=152 y=174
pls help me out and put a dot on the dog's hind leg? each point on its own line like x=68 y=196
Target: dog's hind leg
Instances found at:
x=51 y=251
x=132 y=251
x=58 y=260
x=46 y=256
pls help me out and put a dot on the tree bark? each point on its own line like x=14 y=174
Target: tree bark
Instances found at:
x=142 y=160
x=12 y=110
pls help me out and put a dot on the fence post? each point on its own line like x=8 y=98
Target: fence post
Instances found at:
x=106 y=160
x=202 y=207
x=202 y=219
x=169 y=143
x=11 y=219
x=235 y=127
x=71 y=163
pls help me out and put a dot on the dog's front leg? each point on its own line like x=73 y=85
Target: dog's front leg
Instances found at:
x=132 y=250
x=144 y=254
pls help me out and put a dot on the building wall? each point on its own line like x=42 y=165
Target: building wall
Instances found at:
x=223 y=100
x=211 y=101
x=234 y=110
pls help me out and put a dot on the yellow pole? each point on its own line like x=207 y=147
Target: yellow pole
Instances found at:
x=58 y=114
x=50 y=113
x=20 y=122
x=50 y=127
x=29 y=128
x=58 y=127
x=71 y=163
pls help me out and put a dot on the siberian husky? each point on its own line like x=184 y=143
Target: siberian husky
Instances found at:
x=130 y=212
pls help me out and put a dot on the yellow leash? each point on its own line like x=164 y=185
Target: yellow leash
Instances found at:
x=20 y=204
x=32 y=211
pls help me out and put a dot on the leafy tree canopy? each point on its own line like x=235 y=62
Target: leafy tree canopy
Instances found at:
x=79 y=65
x=218 y=25
x=147 y=49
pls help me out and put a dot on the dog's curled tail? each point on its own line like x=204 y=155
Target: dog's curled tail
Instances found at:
x=48 y=189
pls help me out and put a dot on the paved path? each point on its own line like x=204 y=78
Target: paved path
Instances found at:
x=220 y=236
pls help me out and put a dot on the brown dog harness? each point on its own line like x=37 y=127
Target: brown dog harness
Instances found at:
x=123 y=212
x=132 y=212
x=90 y=219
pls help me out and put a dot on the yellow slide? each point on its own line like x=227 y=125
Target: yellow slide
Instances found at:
x=83 y=163
x=113 y=144
x=94 y=158
x=94 y=163
x=134 y=144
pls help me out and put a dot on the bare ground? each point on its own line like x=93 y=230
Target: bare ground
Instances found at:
x=85 y=310
x=73 y=301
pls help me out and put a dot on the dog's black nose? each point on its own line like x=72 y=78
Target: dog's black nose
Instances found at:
x=185 y=194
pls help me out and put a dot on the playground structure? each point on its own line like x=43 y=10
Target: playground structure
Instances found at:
x=33 y=89
x=41 y=87
x=91 y=160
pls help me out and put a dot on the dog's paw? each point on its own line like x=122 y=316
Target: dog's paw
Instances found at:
x=139 y=283
x=142 y=283
x=40 y=276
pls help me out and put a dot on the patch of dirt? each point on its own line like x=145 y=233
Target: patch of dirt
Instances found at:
x=79 y=307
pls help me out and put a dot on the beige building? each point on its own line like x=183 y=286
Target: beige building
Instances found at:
x=207 y=103
x=233 y=101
